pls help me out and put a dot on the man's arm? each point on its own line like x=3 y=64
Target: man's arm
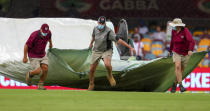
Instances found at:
x=120 y=41
x=116 y=38
x=191 y=41
x=93 y=39
x=28 y=45
x=25 y=58
x=91 y=42
x=51 y=45
x=171 y=45
x=143 y=51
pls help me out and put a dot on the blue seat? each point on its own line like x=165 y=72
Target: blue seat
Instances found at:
x=149 y=56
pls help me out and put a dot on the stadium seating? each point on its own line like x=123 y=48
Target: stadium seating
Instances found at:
x=149 y=56
x=157 y=48
x=203 y=46
x=197 y=33
x=147 y=44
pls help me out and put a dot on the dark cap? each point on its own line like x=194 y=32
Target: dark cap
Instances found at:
x=45 y=28
x=102 y=19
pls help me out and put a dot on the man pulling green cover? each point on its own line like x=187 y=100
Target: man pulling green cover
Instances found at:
x=35 y=48
x=103 y=49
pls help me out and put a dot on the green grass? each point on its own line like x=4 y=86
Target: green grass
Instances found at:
x=62 y=100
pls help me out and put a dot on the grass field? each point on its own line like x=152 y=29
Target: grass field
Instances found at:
x=65 y=100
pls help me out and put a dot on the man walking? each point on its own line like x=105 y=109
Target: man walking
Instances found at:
x=102 y=49
x=35 y=49
x=182 y=46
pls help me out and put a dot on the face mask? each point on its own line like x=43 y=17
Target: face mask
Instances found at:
x=174 y=28
x=44 y=34
x=100 y=27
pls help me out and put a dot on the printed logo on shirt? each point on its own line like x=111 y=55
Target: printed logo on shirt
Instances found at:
x=182 y=37
x=102 y=36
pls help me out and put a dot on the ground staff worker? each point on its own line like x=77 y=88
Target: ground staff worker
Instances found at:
x=103 y=49
x=35 y=49
x=182 y=45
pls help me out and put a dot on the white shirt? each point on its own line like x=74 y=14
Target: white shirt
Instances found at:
x=138 y=46
x=159 y=36
x=143 y=30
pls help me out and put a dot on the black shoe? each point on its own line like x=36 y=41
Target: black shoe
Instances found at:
x=182 y=89
x=173 y=89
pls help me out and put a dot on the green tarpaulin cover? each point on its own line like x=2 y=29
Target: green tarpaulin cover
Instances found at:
x=70 y=68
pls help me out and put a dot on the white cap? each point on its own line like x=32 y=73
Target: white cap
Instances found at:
x=177 y=22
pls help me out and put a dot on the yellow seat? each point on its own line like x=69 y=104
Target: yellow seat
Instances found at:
x=157 y=52
x=147 y=44
x=204 y=41
x=203 y=44
x=204 y=62
x=157 y=49
x=197 y=33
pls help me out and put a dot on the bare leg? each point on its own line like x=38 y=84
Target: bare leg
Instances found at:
x=107 y=63
x=182 y=89
x=92 y=75
x=182 y=71
x=30 y=74
x=178 y=76
x=35 y=72
x=178 y=71
x=44 y=68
